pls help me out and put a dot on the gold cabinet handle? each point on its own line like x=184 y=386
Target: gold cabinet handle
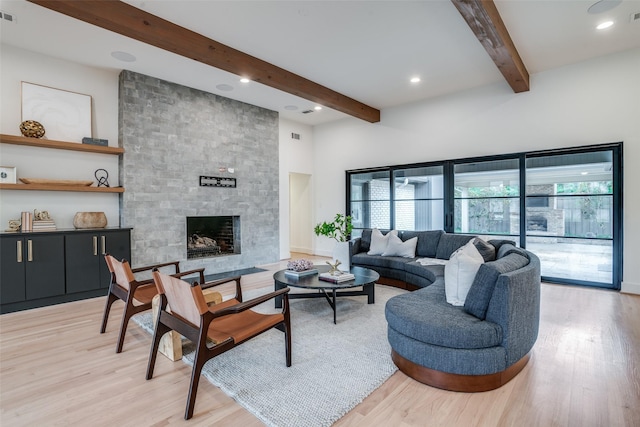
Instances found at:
x=95 y=245
x=103 y=244
x=19 y=251
x=29 y=250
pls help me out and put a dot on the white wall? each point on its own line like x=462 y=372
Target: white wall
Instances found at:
x=296 y=157
x=588 y=103
x=19 y=65
x=593 y=102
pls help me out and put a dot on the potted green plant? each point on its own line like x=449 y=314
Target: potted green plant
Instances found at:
x=339 y=229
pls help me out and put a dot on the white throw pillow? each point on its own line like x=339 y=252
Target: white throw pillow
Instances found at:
x=459 y=273
x=379 y=241
x=396 y=247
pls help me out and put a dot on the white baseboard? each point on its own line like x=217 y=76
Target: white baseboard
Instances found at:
x=301 y=250
x=309 y=251
x=630 y=288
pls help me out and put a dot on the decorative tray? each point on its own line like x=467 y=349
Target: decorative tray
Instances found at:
x=43 y=181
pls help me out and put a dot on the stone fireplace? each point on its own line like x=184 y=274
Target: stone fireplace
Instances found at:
x=172 y=135
x=210 y=236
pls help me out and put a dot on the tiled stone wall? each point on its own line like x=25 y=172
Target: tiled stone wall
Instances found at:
x=172 y=134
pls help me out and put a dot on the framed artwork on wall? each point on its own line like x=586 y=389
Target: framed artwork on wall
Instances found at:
x=66 y=116
x=8 y=175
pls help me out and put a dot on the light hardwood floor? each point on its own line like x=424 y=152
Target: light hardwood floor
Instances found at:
x=56 y=369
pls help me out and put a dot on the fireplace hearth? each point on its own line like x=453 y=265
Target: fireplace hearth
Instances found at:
x=212 y=236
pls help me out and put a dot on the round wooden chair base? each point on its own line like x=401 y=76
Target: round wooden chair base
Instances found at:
x=457 y=382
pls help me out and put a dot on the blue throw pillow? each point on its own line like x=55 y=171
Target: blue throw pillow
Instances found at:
x=486 y=249
x=481 y=290
x=365 y=240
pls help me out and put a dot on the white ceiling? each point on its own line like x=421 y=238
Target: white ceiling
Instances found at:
x=366 y=50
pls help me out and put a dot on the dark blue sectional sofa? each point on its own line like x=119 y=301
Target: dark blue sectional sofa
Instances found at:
x=476 y=347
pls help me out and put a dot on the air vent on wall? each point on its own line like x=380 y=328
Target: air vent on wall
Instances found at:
x=295 y=135
x=7 y=16
x=307 y=111
x=635 y=17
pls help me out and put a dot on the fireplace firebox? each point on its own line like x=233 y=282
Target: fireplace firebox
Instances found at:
x=536 y=223
x=212 y=236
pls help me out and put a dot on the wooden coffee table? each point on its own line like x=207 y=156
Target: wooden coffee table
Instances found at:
x=365 y=278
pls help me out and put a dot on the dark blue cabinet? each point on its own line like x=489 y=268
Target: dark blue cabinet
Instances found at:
x=39 y=269
x=85 y=265
x=32 y=267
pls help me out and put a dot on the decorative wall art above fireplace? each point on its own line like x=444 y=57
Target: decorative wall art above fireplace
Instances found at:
x=217 y=181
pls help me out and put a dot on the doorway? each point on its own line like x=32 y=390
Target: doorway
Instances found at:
x=300 y=209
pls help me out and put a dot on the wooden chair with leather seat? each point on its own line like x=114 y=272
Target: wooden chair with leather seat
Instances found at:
x=136 y=295
x=214 y=329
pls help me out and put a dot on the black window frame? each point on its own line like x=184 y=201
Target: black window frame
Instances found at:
x=448 y=167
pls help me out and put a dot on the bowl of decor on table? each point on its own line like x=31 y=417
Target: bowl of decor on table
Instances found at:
x=300 y=267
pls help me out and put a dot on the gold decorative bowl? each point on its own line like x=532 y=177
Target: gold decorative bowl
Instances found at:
x=32 y=129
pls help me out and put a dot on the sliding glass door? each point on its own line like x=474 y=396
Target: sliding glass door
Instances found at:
x=571 y=214
x=487 y=198
x=369 y=198
x=418 y=195
x=571 y=199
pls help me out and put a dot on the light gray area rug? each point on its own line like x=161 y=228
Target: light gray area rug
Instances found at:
x=334 y=367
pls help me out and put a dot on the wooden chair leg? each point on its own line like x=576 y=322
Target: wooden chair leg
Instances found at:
x=111 y=298
x=158 y=333
x=128 y=312
x=199 y=360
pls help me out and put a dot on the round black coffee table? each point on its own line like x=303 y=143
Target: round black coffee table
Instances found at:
x=365 y=278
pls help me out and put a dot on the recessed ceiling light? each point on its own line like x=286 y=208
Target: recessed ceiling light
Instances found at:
x=224 y=87
x=244 y=80
x=584 y=173
x=123 y=56
x=604 y=25
x=603 y=6
x=415 y=80
x=317 y=108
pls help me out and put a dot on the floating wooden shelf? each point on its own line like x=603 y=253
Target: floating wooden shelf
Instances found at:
x=45 y=187
x=59 y=145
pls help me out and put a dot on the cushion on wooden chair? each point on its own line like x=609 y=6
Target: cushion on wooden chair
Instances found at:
x=241 y=326
x=215 y=329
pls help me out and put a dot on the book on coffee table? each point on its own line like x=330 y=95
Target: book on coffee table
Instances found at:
x=344 y=277
x=293 y=273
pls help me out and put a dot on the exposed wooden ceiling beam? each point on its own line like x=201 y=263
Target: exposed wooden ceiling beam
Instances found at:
x=484 y=20
x=129 y=21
